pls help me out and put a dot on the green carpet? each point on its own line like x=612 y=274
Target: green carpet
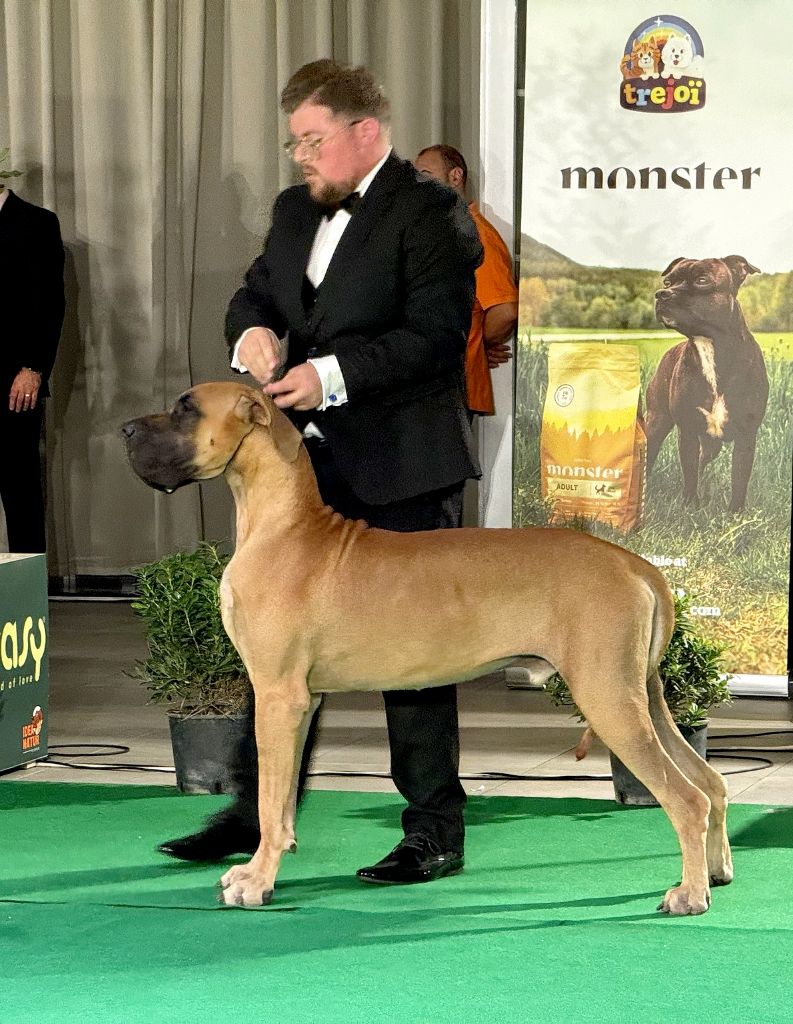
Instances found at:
x=553 y=919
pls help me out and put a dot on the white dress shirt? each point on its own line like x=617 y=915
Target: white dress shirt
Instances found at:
x=328 y=236
x=3 y=196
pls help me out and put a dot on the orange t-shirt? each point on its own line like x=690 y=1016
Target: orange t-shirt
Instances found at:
x=494 y=285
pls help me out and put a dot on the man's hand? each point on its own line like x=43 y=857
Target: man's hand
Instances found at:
x=24 y=391
x=299 y=389
x=498 y=354
x=260 y=353
x=500 y=323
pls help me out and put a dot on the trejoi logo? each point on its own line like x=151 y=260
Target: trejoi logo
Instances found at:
x=662 y=67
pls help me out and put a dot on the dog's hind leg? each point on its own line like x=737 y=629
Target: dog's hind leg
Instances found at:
x=702 y=775
x=620 y=716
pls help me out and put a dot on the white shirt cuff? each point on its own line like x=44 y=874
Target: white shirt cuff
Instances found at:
x=334 y=390
x=235 y=356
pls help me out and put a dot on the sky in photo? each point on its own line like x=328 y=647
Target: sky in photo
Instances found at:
x=574 y=118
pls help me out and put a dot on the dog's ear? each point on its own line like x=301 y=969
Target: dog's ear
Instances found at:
x=674 y=263
x=740 y=269
x=262 y=410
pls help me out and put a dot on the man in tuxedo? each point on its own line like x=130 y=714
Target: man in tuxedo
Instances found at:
x=355 y=319
x=31 y=272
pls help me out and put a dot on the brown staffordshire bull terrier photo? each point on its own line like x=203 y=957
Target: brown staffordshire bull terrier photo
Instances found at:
x=713 y=386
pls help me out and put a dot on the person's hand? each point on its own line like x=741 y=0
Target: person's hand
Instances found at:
x=299 y=389
x=24 y=391
x=260 y=353
x=498 y=354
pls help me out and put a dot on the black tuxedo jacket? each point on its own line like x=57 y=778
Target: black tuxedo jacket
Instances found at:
x=395 y=309
x=31 y=282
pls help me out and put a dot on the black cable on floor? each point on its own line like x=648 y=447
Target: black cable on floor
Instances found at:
x=762 y=762
x=107 y=748
x=108 y=767
x=727 y=754
x=61 y=750
x=752 y=735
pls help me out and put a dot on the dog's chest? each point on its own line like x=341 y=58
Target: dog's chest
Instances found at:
x=707 y=359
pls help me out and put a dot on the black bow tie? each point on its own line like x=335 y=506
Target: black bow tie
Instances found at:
x=348 y=203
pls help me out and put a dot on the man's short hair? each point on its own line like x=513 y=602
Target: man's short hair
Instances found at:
x=451 y=158
x=347 y=91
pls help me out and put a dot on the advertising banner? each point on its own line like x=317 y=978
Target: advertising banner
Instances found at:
x=24 y=678
x=655 y=346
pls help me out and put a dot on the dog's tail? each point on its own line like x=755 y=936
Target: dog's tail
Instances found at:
x=655 y=692
x=587 y=738
x=663 y=623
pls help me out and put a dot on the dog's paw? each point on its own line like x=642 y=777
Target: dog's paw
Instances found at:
x=682 y=901
x=242 y=887
x=720 y=865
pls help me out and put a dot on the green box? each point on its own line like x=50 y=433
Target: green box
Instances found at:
x=24 y=670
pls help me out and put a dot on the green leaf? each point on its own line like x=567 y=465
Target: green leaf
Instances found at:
x=192 y=666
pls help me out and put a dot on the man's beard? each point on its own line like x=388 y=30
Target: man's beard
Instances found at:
x=328 y=192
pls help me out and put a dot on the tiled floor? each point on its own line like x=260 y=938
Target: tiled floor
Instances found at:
x=93 y=645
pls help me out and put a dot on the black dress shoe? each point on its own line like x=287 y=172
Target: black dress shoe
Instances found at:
x=213 y=843
x=416 y=859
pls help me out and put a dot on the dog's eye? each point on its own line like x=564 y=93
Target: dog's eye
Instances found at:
x=667 y=282
x=702 y=280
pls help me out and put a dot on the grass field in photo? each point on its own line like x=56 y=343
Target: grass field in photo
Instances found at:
x=737 y=566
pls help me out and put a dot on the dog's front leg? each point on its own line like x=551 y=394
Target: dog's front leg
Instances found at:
x=688 y=449
x=282 y=716
x=742 y=462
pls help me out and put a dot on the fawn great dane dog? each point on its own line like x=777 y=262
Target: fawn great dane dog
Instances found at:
x=315 y=603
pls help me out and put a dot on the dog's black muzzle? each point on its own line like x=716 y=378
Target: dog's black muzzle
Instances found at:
x=667 y=307
x=160 y=454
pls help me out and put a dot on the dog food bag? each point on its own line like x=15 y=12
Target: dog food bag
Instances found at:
x=593 y=446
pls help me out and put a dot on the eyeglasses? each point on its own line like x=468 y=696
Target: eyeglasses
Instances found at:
x=312 y=146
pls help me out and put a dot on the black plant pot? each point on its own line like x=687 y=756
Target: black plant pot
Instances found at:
x=628 y=789
x=205 y=750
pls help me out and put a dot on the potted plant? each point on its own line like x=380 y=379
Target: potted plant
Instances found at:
x=192 y=668
x=694 y=683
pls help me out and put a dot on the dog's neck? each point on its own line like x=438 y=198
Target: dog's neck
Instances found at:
x=281 y=493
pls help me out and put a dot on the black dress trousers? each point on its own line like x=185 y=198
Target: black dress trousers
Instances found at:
x=20 y=477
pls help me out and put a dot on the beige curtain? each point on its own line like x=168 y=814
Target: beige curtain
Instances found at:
x=152 y=128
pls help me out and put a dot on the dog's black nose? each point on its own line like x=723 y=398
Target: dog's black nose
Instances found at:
x=128 y=429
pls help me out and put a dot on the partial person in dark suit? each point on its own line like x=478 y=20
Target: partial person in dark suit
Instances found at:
x=355 y=318
x=31 y=317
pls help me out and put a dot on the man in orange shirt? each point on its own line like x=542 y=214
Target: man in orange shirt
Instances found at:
x=495 y=313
